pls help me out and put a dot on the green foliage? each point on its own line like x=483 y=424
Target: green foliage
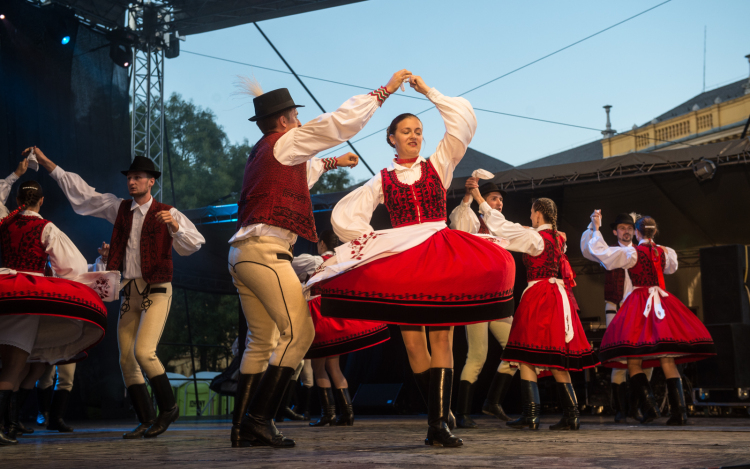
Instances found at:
x=332 y=181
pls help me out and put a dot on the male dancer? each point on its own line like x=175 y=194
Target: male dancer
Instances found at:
x=463 y=218
x=145 y=231
x=52 y=396
x=274 y=208
x=617 y=286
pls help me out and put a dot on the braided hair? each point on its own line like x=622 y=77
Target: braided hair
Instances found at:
x=29 y=194
x=647 y=227
x=548 y=209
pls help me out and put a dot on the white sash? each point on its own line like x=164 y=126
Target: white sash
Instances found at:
x=569 y=333
x=655 y=294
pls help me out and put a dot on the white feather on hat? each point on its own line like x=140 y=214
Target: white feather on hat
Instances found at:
x=248 y=86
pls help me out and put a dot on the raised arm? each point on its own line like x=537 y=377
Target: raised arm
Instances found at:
x=609 y=257
x=460 y=126
x=64 y=257
x=463 y=218
x=351 y=216
x=585 y=239
x=333 y=128
x=521 y=239
x=186 y=239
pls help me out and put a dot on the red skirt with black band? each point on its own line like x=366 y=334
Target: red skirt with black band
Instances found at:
x=633 y=334
x=452 y=278
x=336 y=336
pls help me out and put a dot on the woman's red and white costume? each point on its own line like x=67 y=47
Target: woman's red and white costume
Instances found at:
x=651 y=323
x=420 y=272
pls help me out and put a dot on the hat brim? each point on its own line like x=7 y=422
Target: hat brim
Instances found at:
x=502 y=193
x=614 y=225
x=274 y=110
x=155 y=174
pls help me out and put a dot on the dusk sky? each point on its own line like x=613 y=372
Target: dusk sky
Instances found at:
x=642 y=67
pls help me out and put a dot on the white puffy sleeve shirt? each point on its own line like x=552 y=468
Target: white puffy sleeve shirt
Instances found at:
x=623 y=257
x=351 y=216
x=87 y=201
x=521 y=239
x=5 y=186
x=463 y=218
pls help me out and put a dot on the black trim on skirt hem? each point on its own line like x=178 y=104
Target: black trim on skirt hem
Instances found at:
x=54 y=308
x=549 y=359
x=349 y=346
x=446 y=314
x=622 y=352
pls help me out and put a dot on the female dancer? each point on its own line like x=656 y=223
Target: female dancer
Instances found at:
x=420 y=273
x=652 y=327
x=42 y=319
x=546 y=333
x=333 y=338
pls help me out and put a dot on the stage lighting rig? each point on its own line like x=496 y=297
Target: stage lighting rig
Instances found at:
x=121 y=42
x=704 y=170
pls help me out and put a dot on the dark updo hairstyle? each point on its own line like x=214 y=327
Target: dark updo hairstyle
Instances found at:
x=330 y=239
x=647 y=227
x=548 y=209
x=29 y=194
x=394 y=125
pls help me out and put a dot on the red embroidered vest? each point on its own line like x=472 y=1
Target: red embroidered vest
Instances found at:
x=483 y=227
x=156 y=243
x=21 y=244
x=546 y=264
x=614 y=286
x=275 y=194
x=643 y=273
x=422 y=202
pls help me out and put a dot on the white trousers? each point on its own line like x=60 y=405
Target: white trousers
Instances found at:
x=477 y=337
x=65 y=375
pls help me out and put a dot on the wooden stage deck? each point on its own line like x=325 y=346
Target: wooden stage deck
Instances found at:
x=395 y=442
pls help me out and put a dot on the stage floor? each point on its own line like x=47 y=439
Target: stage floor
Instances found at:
x=395 y=442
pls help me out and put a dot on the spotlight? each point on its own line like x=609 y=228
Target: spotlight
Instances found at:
x=2 y=17
x=704 y=170
x=120 y=54
x=65 y=40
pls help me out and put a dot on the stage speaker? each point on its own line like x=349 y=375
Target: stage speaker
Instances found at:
x=729 y=368
x=379 y=395
x=723 y=277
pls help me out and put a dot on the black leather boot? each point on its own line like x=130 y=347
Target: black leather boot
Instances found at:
x=144 y=410
x=423 y=384
x=569 y=404
x=44 y=400
x=463 y=405
x=246 y=386
x=531 y=407
x=642 y=389
x=620 y=401
x=258 y=420
x=168 y=409
x=327 y=408
x=11 y=413
x=438 y=409
x=23 y=394
x=285 y=409
x=677 y=406
x=496 y=394
x=4 y=400
x=303 y=398
x=345 y=407
x=57 y=411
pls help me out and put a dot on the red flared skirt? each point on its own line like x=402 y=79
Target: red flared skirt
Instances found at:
x=336 y=336
x=679 y=335
x=73 y=317
x=537 y=336
x=453 y=278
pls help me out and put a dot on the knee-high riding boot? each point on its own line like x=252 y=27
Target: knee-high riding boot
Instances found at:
x=345 y=407
x=144 y=410
x=531 y=407
x=438 y=409
x=23 y=394
x=4 y=400
x=168 y=409
x=57 y=412
x=463 y=405
x=569 y=404
x=246 y=386
x=642 y=389
x=498 y=389
x=258 y=420
x=620 y=401
x=44 y=400
x=677 y=406
x=285 y=409
x=423 y=384
x=327 y=408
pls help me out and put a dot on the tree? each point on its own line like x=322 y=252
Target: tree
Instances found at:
x=332 y=181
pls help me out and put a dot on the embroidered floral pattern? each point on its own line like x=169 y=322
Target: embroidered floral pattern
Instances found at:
x=546 y=264
x=102 y=287
x=420 y=202
x=483 y=227
x=643 y=273
x=425 y=297
x=359 y=244
x=21 y=244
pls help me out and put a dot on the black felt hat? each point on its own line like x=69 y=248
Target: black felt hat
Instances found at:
x=141 y=163
x=622 y=219
x=272 y=102
x=491 y=187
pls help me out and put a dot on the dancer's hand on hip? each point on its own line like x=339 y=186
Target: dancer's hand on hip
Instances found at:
x=166 y=218
x=397 y=79
x=349 y=160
